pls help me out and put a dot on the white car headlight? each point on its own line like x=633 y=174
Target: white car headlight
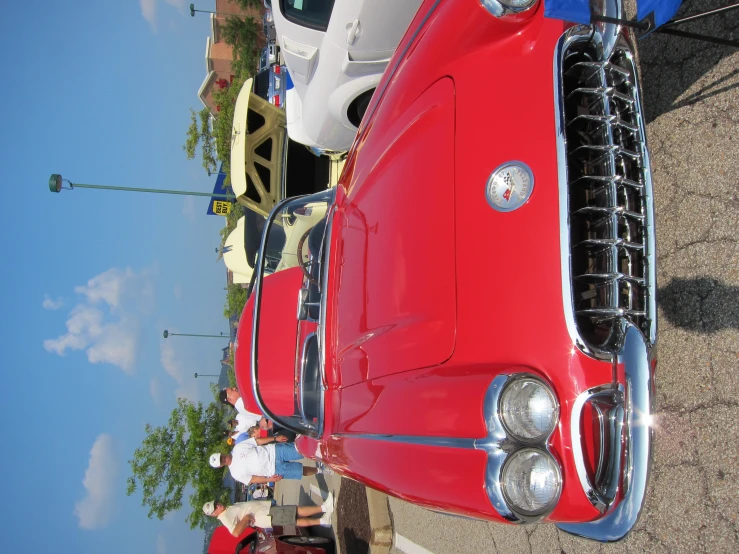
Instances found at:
x=531 y=481
x=528 y=409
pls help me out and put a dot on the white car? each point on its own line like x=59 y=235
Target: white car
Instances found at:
x=336 y=52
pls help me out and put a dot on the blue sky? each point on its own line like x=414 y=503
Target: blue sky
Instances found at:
x=99 y=92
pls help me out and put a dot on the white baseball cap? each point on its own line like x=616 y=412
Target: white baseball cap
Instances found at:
x=209 y=508
x=215 y=460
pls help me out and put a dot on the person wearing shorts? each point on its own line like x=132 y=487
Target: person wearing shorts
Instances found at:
x=261 y=513
x=263 y=460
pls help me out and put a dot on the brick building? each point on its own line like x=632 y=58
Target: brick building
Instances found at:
x=218 y=54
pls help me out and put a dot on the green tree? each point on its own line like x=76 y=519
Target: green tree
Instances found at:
x=175 y=456
x=235 y=300
x=246 y=4
x=199 y=133
x=243 y=36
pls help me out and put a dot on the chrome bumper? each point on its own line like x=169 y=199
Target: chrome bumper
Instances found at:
x=635 y=355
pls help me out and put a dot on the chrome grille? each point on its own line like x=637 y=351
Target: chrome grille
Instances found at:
x=607 y=169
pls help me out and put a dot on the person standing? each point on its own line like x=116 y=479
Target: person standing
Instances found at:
x=268 y=460
x=261 y=513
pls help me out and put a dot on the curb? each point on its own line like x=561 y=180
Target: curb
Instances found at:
x=382 y=527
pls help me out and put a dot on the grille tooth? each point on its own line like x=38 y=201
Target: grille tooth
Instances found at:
x=607 y=204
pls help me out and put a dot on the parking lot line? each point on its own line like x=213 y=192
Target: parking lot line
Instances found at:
x=408 y=546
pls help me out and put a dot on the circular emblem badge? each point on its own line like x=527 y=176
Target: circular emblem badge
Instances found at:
x=509 y=187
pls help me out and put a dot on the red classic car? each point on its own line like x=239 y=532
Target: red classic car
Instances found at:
x=472 y=325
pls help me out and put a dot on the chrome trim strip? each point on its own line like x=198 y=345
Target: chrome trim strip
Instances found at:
x=564 y=218
x=442 y=442
x=636 y=357
x=322 y=310
x=303 y=359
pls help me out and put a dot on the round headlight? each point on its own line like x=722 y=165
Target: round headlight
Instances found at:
x=531 y=482
x=500 y=8
x=528 y=409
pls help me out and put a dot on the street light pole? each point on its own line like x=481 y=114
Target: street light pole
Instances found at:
x=193 y=10
x=205 y=375
x=55 y=185
x=168 y=334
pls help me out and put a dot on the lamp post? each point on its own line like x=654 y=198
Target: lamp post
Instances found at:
x=205 y=375
x=56 y=184
x=193 y=10
x=168 y=334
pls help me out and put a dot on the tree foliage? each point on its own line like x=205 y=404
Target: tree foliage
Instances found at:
x=175 y=456
x=235 y=300
x=246 y=4
x=199 y=134
x=243 y=36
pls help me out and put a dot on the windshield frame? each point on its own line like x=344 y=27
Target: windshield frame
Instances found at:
x=295 y=423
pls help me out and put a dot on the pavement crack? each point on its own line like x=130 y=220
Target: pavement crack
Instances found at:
x=683 y=410
x=492 y=538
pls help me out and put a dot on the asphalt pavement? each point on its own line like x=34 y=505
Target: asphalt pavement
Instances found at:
x=691 y=99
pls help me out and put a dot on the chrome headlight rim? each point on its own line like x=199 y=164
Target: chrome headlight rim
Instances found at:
x=544 y=436
x=528 y=515
x=500 y=8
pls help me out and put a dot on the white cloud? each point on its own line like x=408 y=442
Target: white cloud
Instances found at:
x=161 y=545
x=95 y=509
x=110 y=337
x=106 y=287
x=177 y=291
x=176 y=369
x=50 y=304
x=154 y=388
x=149 y=11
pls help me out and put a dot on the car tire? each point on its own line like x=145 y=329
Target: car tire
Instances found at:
x=358 y=107
x=316 y=542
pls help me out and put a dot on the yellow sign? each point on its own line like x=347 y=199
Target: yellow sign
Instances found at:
x=221 y=208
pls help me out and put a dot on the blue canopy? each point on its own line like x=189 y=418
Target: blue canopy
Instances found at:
x=578 y=11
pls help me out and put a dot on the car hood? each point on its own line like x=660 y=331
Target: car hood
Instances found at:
x=393 y=284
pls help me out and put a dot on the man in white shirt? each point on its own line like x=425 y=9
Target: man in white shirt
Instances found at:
x=232 y=396
x=261 y=513
x=263 y=460
x=241 y=424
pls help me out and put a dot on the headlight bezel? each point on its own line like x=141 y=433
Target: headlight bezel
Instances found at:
x=544 y=436
x=500 y=8
x=552 y=503
x=500 y=445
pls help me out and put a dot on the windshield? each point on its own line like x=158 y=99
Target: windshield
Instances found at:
x=308 y=13
x=287 y=355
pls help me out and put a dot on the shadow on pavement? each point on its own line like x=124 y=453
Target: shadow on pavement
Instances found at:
x=671 y=65
x=354 y=545
x=701 y=304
